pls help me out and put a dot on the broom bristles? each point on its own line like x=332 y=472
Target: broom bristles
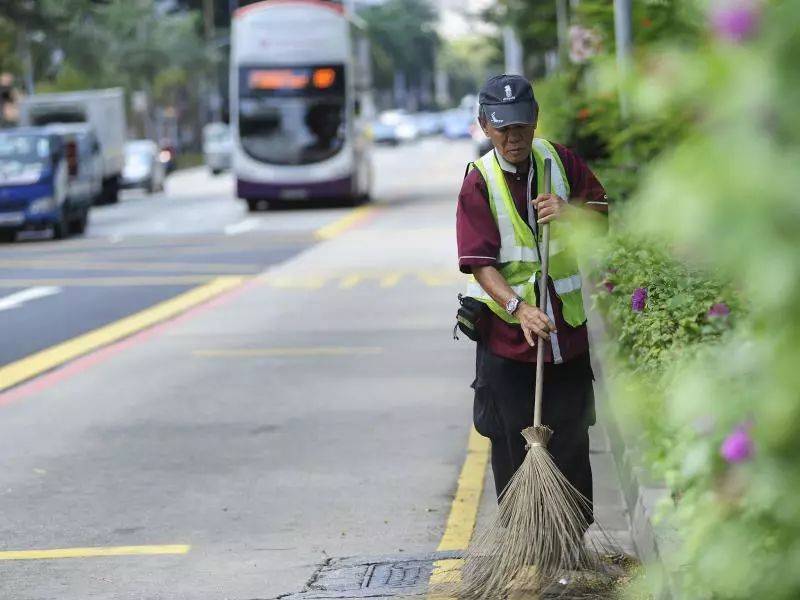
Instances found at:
x=537 y=535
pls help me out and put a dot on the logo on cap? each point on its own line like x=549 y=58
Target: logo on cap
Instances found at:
x=495 y=119
x=509 y=94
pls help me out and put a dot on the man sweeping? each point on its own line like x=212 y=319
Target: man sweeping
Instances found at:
x=501 y=209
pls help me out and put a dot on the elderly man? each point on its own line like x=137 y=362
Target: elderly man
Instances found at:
x=500 y=209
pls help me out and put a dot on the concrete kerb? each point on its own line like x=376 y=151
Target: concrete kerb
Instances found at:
x=656 y=540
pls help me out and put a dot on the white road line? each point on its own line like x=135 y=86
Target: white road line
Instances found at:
x=19 y=298
x=241 y=227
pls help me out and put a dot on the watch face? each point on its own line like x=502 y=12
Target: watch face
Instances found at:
x=511 y=306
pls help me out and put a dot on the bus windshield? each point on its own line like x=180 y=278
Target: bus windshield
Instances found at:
x=293 y=116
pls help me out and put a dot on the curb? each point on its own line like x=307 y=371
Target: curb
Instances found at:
x=655 y=538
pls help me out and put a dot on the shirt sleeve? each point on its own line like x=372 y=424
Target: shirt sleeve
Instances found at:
x=476 y=231
x=585 y=189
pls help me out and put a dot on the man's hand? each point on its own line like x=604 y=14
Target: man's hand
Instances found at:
x=534 y=322
x=549 y=207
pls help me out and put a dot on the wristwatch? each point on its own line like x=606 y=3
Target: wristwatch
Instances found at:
x=512 y=305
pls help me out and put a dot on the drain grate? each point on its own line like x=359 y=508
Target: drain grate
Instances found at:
x=394 y=575
x=385 y=577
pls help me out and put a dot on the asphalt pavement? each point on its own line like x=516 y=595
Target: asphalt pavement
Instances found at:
x=319 y=408
x=201 y=403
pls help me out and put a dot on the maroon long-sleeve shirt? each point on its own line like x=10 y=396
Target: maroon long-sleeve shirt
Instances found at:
x=479 y=244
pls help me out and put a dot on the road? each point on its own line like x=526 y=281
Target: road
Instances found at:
x=231 y=398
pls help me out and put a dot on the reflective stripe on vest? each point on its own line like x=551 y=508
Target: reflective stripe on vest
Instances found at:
x=518 y=258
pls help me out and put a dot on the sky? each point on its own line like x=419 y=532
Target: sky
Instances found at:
x=452 y=22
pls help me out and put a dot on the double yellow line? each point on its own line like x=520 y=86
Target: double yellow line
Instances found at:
x=55 y=356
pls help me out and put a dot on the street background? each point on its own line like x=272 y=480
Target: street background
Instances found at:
x=310 y=414
x=204 y=401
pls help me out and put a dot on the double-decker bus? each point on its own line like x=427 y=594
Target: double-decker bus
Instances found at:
x=298 y=86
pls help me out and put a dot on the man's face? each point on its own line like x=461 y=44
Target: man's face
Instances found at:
x=512 y=142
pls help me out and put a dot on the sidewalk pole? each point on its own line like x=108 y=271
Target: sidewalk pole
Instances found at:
x=623 y=35
x=562 y=30
x=512 y=49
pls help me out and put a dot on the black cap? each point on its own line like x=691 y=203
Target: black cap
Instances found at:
x=508 y=100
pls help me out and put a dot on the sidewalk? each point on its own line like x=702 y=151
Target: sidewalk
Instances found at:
x=392 y=575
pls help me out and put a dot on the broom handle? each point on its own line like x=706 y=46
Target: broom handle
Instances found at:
x=543 y=297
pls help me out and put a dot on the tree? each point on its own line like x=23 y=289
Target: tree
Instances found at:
x=404 y=43
x=535 y=24
x=468 y=62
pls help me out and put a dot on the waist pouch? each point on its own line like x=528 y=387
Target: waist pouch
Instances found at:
x=469 y=317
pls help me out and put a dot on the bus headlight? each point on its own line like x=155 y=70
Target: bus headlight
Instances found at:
x=42 y=205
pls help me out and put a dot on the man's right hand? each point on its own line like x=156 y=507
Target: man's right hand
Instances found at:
x=534 y=322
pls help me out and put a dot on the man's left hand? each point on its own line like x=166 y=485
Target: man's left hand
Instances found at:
x=549 y=207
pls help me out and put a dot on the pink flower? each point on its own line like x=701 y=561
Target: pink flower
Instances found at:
x=737 y=447
x=720 y=309
x=734 y=20
x=609 y=285
x=638 y=299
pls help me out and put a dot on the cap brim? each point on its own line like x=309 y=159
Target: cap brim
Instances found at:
x=503 y=115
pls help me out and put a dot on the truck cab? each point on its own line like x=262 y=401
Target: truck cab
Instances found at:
x=36 y=170
x=84 y=162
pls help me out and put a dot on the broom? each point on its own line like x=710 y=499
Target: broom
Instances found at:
x=537 y=536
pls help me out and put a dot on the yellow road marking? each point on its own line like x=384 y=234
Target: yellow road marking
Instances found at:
x=463 y=515
x=391 y=280
x=89 y=552
x=310 y=351
x=110 y=281
x=40 y=362
x=350 y=220
x=347 y=281
x=464 y=510
x=77 y=265
x=350 y=281
x=437 y=279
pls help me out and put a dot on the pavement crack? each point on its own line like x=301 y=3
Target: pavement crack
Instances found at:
x=316 y=574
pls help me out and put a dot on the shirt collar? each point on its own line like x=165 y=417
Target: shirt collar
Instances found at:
x=505 y=165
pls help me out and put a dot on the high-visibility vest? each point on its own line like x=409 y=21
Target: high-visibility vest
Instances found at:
x=518 y=260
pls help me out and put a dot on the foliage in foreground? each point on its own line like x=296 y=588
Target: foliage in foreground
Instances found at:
x=714 y=389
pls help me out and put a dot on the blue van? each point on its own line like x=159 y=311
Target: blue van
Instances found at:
x=37 y=171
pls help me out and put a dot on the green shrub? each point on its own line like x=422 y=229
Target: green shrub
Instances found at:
x=716 y=403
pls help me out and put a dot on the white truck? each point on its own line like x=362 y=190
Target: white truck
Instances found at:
x=104 y=110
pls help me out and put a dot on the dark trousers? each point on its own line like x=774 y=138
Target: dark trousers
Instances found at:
x=504 y=391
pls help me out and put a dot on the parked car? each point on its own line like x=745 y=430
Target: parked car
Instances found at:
x=217 y=147
x=457 y=124
x=37 y=169
x=428 y=123
x=383 y=133
x=103 y=110
x=143 y=167
x=402 y=122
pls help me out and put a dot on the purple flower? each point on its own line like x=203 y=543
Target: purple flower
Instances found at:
x=734 y=20
x=720 y=309
x=638 y=299
x=737 y=447
x=609 y=285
